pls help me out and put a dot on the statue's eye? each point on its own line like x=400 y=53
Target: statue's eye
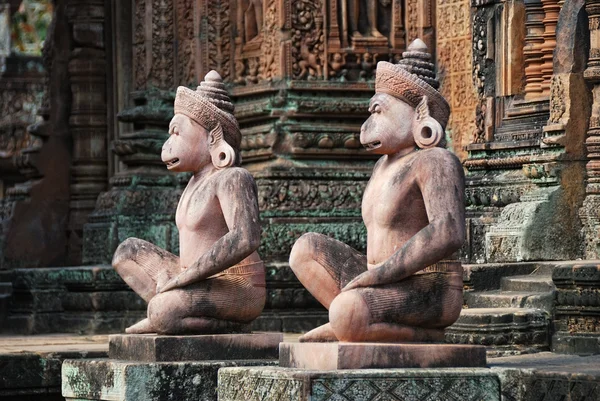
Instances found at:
x=174 y=130
x=375 y=108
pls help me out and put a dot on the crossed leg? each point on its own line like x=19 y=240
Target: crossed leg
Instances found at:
x=143 y=266
x=217 y=305
x=415 y=309
x=221 y=304
x=324 y=266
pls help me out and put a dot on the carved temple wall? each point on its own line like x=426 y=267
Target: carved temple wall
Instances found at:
x=526 y=160
x=301 y=72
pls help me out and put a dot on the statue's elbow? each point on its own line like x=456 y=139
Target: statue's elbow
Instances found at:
x=458 y=237
x=456 y=233
x=252 y=239
x=254 y=242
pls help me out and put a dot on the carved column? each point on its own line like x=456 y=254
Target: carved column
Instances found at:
x=167 y=51
x=398 y=35
x=419 y=21
x=591 y=209
x=87 y=68
x=533 y=49
x=551 y=10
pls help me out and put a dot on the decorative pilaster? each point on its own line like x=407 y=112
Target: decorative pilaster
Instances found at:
x=533 y=49
x=591 y=208
x=398 y=34
x=88 y=126
x=551 y=10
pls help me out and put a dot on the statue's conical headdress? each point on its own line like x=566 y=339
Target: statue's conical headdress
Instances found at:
x=411 y=79
x=208 y=105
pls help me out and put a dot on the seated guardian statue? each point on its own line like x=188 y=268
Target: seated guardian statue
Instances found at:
x=403 y=289
x=218 y=282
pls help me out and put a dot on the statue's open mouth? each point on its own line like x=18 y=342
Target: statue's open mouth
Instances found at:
x=172 y=163
x=372 y=145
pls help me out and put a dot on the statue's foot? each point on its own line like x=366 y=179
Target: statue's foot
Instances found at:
x=141 y=327
x=321 y=334
x=376 y=34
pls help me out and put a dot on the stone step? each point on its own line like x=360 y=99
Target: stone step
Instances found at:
x=505 y=331
x=510 y=299
x=531 y=282
x=5 y=289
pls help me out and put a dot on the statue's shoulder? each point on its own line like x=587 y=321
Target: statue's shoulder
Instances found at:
x=234 y=174
x=438 y=155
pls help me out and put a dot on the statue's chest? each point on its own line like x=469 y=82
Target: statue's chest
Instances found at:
x=196 y=207
x=391 y=197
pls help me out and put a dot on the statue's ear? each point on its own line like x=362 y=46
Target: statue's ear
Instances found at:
x=221 y=153
x=427 y=131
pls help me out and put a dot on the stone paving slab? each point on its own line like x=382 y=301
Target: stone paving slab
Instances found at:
x=548 y=376
x=30 y=365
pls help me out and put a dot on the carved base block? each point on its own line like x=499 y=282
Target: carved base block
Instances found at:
x=339 y=355
x=505 y=331
x=270 y=384
x=579 y=344
x=156 y=348
x=128 y=381
x=577 y=313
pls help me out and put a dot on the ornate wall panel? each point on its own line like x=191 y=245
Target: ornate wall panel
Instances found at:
x=454 y=58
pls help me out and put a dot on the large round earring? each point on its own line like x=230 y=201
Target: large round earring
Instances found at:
x=428 y=133
x=221 y=153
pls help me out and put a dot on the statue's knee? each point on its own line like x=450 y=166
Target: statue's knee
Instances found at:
x=164 y=313
x=302 y=250
x=349 y=316
x=125 y=251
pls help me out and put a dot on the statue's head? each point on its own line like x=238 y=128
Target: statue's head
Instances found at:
x=203 y=129
x=407 y=109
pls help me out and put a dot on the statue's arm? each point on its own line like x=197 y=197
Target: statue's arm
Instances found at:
x=441 y=181
x=237 y=194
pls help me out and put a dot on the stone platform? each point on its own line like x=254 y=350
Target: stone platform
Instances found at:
x=340 y=355
x=275 y=384
x=145 y=381
x=536 y=377
x=155 y=348
x=153 y=367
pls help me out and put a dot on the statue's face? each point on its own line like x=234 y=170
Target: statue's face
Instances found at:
x=187 y=146
x=389 y=128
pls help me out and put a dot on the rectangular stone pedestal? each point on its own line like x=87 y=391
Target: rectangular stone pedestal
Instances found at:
x=277 y=384
x=155 y=348
x=339 y=355
x=141 y=381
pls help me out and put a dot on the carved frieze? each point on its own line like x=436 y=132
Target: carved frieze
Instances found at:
x=308 y=39
x=162 y=66
x=307 y=197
